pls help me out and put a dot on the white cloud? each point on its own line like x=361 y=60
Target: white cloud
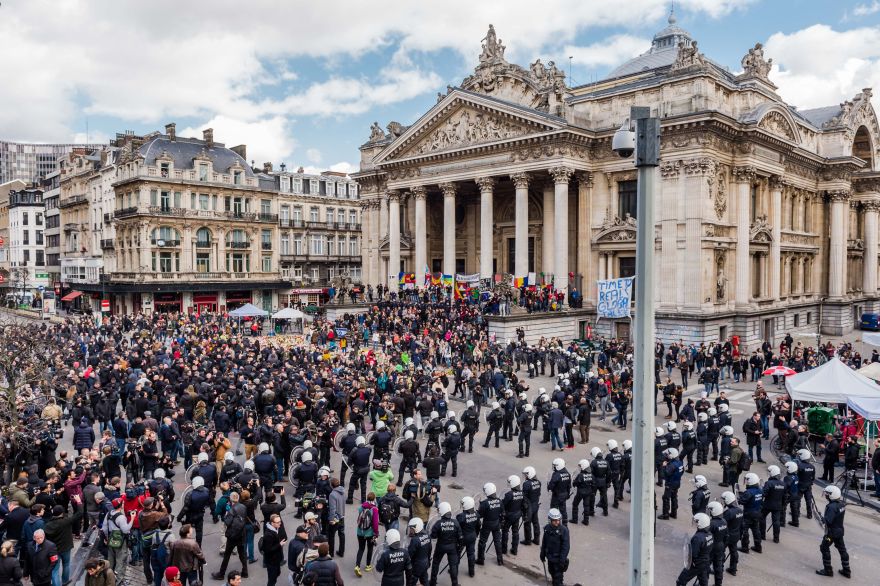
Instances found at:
x=714 y=8
x=819 y=66
x=267 y=140
x=867 y=9
x=313 y=155
x=608 y=52
x=340 y=167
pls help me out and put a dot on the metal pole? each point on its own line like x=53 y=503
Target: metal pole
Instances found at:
x=641 y=551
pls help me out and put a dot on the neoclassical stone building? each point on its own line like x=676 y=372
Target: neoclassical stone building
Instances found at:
x=767 y=216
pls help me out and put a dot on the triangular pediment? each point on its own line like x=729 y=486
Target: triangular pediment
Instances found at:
x=460 y=121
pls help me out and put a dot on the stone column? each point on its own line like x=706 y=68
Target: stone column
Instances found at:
x=584 y=235
x=448 y=190
x=762 y=275
x=561 y=175
x=547 y=266
x=393 y=238
x=521 y=231
x=869 y=260
x=837 y=247
x=672 y=191
x=145 y=248
x=421 y=232
x=376 y=241
x=366 y=242
x=744 y=177
x=487 y=186
x=384 y=265
x=776 y=185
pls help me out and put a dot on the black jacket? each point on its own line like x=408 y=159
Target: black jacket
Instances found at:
x=43 y=558
x=273 y=551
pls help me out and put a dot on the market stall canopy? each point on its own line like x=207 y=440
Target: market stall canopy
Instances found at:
x=872 y=338
x=833 y=382
x=71 y=296
x=867 y=407
x=289 y=313
x=248 y=310
x=871 y=370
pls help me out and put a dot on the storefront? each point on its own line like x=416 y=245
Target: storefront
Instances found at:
x=305 y=297
x=235 y=299
x=204 y=303
x=167 y=302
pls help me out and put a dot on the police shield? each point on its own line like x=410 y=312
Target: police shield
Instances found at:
x=396 y=444
x=191 y=473
x=186 y=492
x=368 y=436
x=431 y=522
x=686 y=551
x=337 y=439
x=291 y=476
x=377 y=553
x=296 y=453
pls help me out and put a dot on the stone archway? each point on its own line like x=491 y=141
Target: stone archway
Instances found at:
x=862 y=146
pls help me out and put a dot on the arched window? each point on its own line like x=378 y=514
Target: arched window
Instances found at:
x=203 y=237
x=165 y=236
x=862 y=146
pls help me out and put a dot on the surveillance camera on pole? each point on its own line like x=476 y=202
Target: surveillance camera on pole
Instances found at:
x=640 y=134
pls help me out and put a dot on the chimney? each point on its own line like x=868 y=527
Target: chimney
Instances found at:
x=169 y=130
x=267 y=167
x=283 y=167
x=208 y=137
x=241 y=151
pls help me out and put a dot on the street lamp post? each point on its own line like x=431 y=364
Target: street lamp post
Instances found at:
x=642 y=513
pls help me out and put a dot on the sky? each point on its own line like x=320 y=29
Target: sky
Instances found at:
x=300 y=82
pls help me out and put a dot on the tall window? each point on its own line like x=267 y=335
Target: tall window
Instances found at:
x=203 y=172
x=313 y=215
x=266 y=239
x=267 y=264
x=627 y=199
x=329 y=216
x=265 y=206
x=285 y=215
x=753 y=204
x=285 y=244
x=317 y=244
x=297 y=185
x=204 y=201
x=297 y=214
x=203 y=262
x=203 y=237
x=24 y=218
x=297 y=244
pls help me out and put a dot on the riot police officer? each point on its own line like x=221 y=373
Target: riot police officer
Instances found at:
x=673 y=470
x=702 y=439
x=660 y=446
x=585 y=493
x=599 y=467
x=714 y=430
x=230 y=469
x=718 y=528
x=701 y=546
x=194 y=505
x=434 y=428
x=559 y=488
x=447 y=532
x=381 y=442
x=555 y=547
x=394 y=563
x=410 y=455
x=451 y=446
x=627 y=465
x=792 y=494
x=733 y=516
x=806 y=476
x=360 y=468
x=752 y=499
x=532 y=496
x=494 y=418
x=469 y=521
x=615 y=470
x=833 y=524
x=774 y=501
x=700 y=495
x=512 y=506
x=524 y=437
x=673 y=438
x=346 y=446
x=490 y=522
x=688 y=445
x=471 y=421
x=419 y=550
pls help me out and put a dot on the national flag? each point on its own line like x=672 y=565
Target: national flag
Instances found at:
x=448 y=280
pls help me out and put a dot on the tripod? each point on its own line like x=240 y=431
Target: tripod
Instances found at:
x=845 y=481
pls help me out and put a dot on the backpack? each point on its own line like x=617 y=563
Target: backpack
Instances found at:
x=261 y=543
x=235 y=524
x=365 y=519
x=745 y=463
x=159 y=548
x=116 y=539
x=386 y=512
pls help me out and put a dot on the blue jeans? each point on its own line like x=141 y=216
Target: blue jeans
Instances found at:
x=120 y=444
x=249 y=541
x=876 y=485
x=279 y=468
x=765 y=426
x=61 y=575
x=136 y=551
x=187 y=578
x=554 y=438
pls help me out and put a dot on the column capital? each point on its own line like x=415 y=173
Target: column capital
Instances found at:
x=521 y=180
x=485 y=183
x=871 y=205
x=419 y=192
x=393 y=195
x=854 y=204
x=744 y=174
x=560 y=174
x=449 y=189
x=838 y=195
x=777 y=182
x=585 y=178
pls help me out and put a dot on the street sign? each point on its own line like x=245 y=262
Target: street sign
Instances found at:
x=41 y=288
x=41 y=275
x=105 y=305
x=2 y=242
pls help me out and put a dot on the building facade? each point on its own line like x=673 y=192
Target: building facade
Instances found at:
x=31 y=162
x=51 y=186
x=25 y=259
x=766 y=215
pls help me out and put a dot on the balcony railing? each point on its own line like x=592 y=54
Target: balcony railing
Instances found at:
x=167 y=211
x=72 y=201
x=238 y=245
x=163 y=243
x=107 y=217
x=152 y=277
x=203 y=244
x=266 y=245
x=125 y=212
x=108 y=244
x=271 y=218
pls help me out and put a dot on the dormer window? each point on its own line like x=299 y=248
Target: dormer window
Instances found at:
x=203 y=171
x=164 y=169
x=236 y=177
x=297 y=185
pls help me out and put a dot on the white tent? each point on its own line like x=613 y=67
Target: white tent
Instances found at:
x=248 y=310
x=871 y=370
x=872 y=338
x=833 y=382
x=867 y=407
x=289 y=313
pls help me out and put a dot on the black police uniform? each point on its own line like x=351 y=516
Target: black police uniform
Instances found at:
x=793 y=498
x=451 y=447
x=834 y=513
x=559 y=488
x=806 y=476
x=381 y=442
x=702 y=443
x=448 y=534
x=494 y=418
x=688 y=446
x=194 y=506
x=672 y=473
x=733 y=516
x=346 y=446
x=774 y=504
x=700 y=500
x=524 y=438
x=469 y=521
x=752 y=499
x=554 y=550
x=660 y=446
x=410 y=458
x=394 y=564
x=532 y=495
x=360 y=468
x=470 y=419
x=615 y=471
x=584 y=492
x=701 y=551
x=512 y=505
x=718 y=528
x=714 y=430
x=490 y=522
x=599 y=467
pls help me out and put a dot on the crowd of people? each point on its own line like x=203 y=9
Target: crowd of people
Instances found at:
x=241 y=416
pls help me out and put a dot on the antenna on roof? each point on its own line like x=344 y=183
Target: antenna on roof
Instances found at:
x=671 y=12
x=570 y=80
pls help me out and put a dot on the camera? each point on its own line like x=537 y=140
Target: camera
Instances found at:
x=624 y=141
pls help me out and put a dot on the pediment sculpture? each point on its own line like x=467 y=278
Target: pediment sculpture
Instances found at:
x=754 y=64
x=775 y=123
x=688 y=56
x=468 y=127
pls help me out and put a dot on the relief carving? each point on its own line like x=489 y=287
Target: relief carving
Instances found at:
x=775 y=123
x=468 y=127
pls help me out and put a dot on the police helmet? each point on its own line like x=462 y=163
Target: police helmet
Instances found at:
x=773 y=470
x=671 y=453
x=627 y=444
x=416 y=524
x=728 y=497
x=408 y=434
x=554 y=515
x=489 y=489
x=513 y=481
x=832 y=492
x=558 y=464
x=306 y=457
x=715 y=509
x=529 y=472
x=752 y=479
x=360 y=441
x=804 y=454
x=700 y=481
x=467 y=503
x=444 y=509
x=702 y=520
x=596 y=452
x=392 y=536
x=612 y=444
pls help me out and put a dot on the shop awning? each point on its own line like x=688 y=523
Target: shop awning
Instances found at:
x=71 y=296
